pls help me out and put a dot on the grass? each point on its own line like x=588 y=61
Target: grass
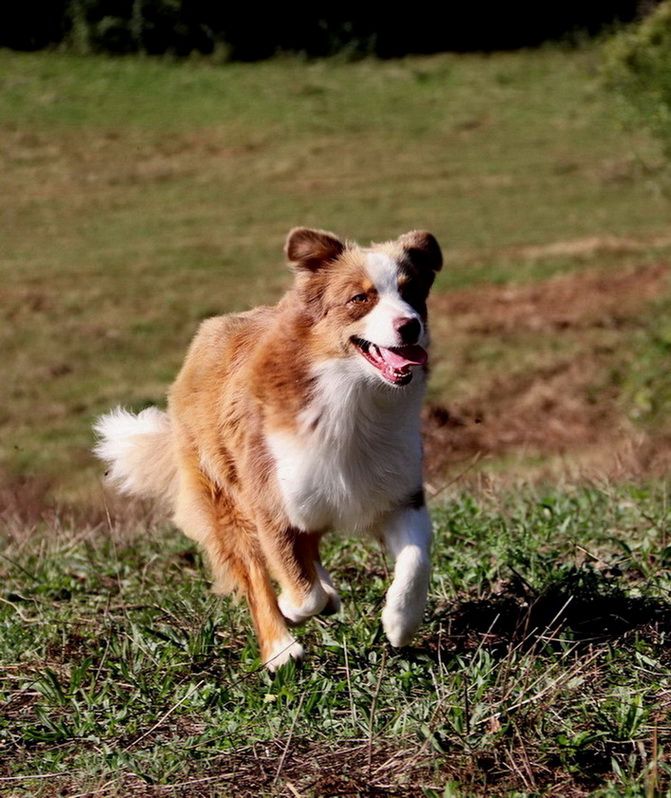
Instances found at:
x=142 y=195
x=648 y=387
x=543 y=668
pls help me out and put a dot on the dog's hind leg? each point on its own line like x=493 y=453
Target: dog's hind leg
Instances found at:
x=231 y=544
x=246 y=573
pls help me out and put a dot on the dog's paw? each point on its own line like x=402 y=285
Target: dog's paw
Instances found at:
x=399 y=626
x=333 y=604
x=282 y=651
x=313 y=603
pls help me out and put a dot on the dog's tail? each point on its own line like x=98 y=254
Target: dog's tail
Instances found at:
x=139 y=451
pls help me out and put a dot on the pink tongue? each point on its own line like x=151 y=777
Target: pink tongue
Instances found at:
x=403 y=356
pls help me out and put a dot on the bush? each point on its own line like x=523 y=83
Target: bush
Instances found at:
x=251 y=31
x=638 y=68
x=154 y=27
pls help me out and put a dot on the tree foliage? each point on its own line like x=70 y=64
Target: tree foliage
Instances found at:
x=251 y=31
x=638 y=67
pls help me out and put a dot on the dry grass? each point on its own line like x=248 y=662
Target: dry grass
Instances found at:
x=546 y=366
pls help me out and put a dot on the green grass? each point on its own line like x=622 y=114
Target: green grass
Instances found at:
x=543 y=667
x=647 y=381
x=141 y=195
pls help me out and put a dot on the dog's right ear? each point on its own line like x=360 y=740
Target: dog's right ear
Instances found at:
x=423 y=250
x=311 y=249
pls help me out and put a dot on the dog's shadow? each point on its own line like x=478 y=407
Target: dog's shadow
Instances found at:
x=582 y=606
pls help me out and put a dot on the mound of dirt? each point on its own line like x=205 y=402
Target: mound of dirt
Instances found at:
x=566 y=406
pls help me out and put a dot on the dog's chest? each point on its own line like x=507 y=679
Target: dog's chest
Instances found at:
x=352 y=460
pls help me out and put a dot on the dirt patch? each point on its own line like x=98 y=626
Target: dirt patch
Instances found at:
x=586 y=299
x=589 y=603
x=565 y=404
x=546 y=412
x=25 y=499
x=28 y=502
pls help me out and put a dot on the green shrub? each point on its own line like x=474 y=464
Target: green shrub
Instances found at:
x=638 y=68
x=253 y=31
x=154 y=27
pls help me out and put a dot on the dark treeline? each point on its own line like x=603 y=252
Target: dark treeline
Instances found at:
x=250 y=31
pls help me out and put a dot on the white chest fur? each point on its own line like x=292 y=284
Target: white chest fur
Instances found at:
x=356 y=455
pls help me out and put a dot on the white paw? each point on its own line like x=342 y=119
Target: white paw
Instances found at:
x=400 y=626
x=285 y=649
x=312 y=604
x=333 y=604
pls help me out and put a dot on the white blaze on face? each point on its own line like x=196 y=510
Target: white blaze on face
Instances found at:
x=379 y=323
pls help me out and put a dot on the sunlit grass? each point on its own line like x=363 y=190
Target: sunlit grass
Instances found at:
x=542 y=665
x=140 y=196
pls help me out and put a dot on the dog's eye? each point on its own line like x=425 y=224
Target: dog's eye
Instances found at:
x=357 y=298
x=410 y=293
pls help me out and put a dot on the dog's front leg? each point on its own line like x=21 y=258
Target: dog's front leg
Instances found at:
x=293 y=559
x=407 y=536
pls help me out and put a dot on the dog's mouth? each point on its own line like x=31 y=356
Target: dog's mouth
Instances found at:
x=394 y=364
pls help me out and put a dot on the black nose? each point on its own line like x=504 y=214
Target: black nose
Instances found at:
x=408 y=329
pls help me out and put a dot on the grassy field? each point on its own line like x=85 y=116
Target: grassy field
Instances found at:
x=543 y=668
x=140 y=196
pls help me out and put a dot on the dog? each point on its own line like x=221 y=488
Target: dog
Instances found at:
x=287 y=422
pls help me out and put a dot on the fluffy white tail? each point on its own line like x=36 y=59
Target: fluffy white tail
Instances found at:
x=139 y=452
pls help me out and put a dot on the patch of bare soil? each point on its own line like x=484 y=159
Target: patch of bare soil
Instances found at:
x=568 y=406
x=23 y=498
x=589 y=603
x=28 y=501
x=590 y=246
x=580 y=300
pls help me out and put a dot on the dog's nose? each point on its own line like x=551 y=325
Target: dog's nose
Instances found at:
x=408 y=328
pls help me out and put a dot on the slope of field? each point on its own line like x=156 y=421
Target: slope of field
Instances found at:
x=140 y=196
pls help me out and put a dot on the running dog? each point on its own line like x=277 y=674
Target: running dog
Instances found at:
x=287 y=422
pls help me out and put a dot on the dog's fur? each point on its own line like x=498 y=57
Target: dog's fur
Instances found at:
x=288 y=421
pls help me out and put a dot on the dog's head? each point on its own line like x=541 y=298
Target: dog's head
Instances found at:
x=367 y=303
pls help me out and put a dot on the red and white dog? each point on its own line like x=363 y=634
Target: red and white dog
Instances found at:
x=288 y=421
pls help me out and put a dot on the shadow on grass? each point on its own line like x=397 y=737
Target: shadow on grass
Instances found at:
x=584 y=605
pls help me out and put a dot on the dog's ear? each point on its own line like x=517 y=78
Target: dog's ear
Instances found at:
x=422 y=250
x=312 y=249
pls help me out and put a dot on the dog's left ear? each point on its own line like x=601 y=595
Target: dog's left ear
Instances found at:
x=311 y=249
x=422 y=250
